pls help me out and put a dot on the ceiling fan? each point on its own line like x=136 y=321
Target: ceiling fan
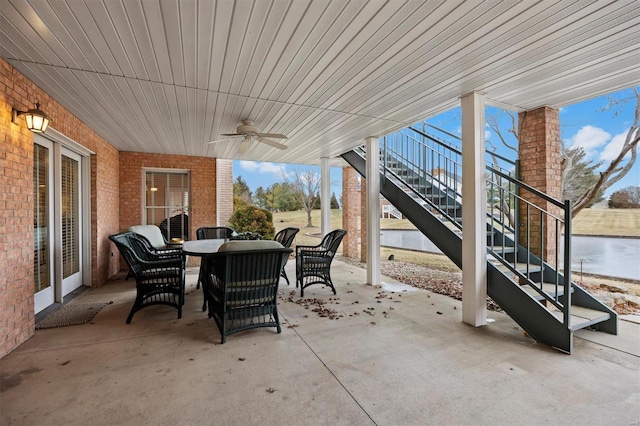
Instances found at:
x=251 y=133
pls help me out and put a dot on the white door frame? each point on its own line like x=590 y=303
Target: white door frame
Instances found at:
x=63 y=145
x=44 y=298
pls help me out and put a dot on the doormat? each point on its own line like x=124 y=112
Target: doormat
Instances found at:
x=70 y=314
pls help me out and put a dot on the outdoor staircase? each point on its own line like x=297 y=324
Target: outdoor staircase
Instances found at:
x=421 y=174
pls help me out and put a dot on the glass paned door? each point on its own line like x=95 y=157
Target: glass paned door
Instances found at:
x=70 y=203
x=42 y=230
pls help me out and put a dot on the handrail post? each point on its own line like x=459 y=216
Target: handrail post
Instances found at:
x=567 y=262
x=384 y=158
x=516 y=206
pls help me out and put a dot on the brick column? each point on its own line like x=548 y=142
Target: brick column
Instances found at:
x=224 y=191
x=363 y=220
x=350 y=211
x=539 y=152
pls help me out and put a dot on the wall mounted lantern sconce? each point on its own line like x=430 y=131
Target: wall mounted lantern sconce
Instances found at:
x=37 y=120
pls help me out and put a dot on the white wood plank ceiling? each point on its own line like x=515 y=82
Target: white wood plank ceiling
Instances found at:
x=168 y=76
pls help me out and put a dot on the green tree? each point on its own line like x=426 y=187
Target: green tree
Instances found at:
x=260 y=197
x=241 y=193
x=284 y=197
x=334 y=201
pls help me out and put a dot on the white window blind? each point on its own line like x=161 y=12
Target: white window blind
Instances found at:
x=167 y=202
x=70 y=231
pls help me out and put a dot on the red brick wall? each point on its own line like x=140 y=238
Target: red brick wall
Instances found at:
x=539 y=151
x=202 y=211
x=16 y=202
x=350 y=211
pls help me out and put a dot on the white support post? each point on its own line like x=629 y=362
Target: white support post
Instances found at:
x=373 y=210
x=474 y=207
x=325 y=196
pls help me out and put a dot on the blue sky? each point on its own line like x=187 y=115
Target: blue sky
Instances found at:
x=590 y=124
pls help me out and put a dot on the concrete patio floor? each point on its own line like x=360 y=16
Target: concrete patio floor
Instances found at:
x=396 y=356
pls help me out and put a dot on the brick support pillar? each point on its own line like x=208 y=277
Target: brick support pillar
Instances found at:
x=363 y=220
x=539 y=151
x=350 y=211
x=224 y=191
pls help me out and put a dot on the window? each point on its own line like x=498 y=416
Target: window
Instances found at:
x=167 y=202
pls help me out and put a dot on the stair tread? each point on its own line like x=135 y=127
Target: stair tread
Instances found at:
x=522 y=267
x=582 y=317
x=549 y=288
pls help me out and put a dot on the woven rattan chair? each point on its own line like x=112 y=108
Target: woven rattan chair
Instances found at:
x=145 y=246
x=211 y=233
x=241 y=285
x=159 y=278
x=214 y=233
x=313 y=263
x=286 y=237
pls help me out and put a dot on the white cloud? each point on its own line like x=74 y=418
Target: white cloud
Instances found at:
x=254 y=166
x=612 y=149
x=590 y=138
x=487 y=134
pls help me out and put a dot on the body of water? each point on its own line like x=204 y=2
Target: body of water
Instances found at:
x=607 y=256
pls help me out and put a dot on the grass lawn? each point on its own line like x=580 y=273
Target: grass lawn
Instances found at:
x=607 y=222
x=599 y=222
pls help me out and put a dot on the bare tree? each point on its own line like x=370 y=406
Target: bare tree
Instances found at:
x=306 y=186
x=573 y=163
x=618 y=168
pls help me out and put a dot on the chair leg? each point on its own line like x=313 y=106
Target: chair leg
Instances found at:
x=283 y=274
x=130 y=317
x=275 y=317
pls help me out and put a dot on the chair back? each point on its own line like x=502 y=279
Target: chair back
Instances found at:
x=141 y=244
x=286 y=236
x=241 y=289
x=127 y=249
x=332 y=240
x=151 y=233
x=214 y=233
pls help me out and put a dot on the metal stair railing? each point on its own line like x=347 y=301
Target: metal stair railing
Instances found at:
x=432 y=169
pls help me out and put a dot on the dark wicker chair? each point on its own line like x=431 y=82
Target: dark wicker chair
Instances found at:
x=159 y=278
x=313 y=263
x=214 y=233
x=241 y=285
x=285 y=237
x=211 y=233
x=144 y=246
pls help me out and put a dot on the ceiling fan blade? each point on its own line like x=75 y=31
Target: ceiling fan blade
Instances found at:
x=272 y=143
x=217 y=140
x=244 y=145
x=232 y=134
x=272 y=135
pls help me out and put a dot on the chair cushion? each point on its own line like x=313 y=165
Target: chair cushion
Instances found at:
x=152 y=232
x=242 y=245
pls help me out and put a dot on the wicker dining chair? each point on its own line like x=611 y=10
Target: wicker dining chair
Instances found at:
x=160 y=279
x=241 y=285
x=313 y=263
x=286 y=237
x=214 y=233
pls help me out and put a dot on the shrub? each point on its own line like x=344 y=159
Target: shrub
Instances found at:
x=253 y=219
